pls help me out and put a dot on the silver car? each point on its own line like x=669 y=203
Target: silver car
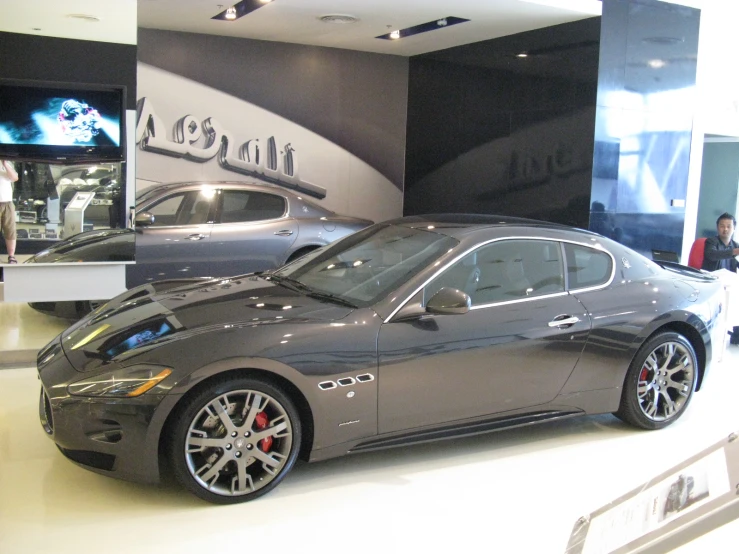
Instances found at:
x=204 y=229
x=226 y=228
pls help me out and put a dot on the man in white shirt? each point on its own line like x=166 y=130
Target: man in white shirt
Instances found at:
x=8 y=176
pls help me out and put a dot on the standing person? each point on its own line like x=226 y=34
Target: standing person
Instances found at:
x=8 y=176
x=721 y=250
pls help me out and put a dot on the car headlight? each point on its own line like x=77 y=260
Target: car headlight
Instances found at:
x=122 y=383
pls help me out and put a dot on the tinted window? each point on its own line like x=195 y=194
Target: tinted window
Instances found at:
x=505 y=270
x=587 y=267
x=365 y=266
x=183 y=208
x=244 y=205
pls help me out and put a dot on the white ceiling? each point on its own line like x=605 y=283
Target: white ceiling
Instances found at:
x=117 y=19
x=296 y=20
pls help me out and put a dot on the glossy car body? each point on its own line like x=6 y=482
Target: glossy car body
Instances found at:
x=413 y=330
x=204 y=230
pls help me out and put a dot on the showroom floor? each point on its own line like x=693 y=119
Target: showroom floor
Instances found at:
x=512 y=491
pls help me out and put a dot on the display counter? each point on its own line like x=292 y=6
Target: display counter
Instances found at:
x=63 y=281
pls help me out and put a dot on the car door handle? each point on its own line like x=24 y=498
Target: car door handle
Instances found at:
x=284 y=233
x=565 y=321
x=196 y=236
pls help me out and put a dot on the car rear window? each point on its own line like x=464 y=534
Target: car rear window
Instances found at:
x=587 y=267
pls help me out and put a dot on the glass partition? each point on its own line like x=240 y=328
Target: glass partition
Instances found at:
x=53 y=202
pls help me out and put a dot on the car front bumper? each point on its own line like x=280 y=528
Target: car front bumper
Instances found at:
x=118 y=437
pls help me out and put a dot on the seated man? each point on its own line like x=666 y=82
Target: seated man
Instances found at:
x=721 y=250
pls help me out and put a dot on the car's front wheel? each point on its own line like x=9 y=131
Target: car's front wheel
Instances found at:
x=235 y=440
x=660 y=382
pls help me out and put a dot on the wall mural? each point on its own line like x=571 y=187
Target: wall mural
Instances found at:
x=188 y=131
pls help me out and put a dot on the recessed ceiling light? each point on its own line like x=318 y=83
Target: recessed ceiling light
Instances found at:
x=231 y=13
x=522 y=55
x=338 y=18
x=656 y=64
x=424 y=27
x=84 y=17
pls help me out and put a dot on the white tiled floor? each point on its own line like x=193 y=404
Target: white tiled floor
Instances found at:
x=513 y=491
x=23 y=328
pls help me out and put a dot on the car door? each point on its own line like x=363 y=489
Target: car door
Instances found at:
x=514 y=349
x=175 y=245
x=253 y=232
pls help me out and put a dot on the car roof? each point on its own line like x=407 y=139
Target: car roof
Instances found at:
x=161 y=187
x=295 y=198
x=457 y=225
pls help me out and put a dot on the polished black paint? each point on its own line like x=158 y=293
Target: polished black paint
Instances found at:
x=435 y=376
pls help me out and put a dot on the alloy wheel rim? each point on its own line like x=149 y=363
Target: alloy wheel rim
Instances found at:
x=665 y=381
x=238 y=443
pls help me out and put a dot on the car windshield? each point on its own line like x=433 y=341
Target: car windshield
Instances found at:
x=366 y=266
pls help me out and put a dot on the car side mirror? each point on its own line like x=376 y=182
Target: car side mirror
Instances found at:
x=144 y=218
x=449 y=301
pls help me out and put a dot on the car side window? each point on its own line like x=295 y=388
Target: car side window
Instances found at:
x=587 y=267
x=505 y=270
x=240 y=206
x=182 y=208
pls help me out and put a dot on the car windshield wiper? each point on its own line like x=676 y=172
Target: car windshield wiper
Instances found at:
x=297 y=286
x=287 y=282
x=331 y=298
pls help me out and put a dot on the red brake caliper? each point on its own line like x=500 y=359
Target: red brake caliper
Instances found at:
x=644 y=373
x=261 y=421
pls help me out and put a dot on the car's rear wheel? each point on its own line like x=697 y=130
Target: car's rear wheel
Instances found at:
x=235 y=440
x=660 y=382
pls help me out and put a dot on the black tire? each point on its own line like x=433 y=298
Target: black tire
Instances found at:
x=660 y=382
x=218 y=450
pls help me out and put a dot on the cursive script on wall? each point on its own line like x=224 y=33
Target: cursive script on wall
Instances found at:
x=201 y=141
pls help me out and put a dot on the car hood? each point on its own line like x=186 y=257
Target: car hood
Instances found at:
x=106 y=245
x=144 y=318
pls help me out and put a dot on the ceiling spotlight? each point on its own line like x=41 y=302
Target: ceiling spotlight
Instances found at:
x=522 y=55
x=656 y=64
x=423 y=28
x=239 y=9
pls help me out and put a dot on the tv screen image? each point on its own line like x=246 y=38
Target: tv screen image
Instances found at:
x=45 y=122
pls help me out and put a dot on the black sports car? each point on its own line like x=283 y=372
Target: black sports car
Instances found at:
x=412 y=330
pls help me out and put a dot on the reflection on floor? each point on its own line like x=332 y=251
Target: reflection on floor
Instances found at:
x=513 y=491
x=23 y=328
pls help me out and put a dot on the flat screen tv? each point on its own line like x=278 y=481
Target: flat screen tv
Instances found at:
x=62 y=122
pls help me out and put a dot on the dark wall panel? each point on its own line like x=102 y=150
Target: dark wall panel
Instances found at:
x=491 y=132
x=77 y=61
